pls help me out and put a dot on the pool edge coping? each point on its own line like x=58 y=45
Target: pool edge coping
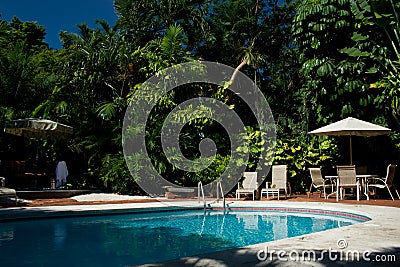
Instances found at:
x=46 y=212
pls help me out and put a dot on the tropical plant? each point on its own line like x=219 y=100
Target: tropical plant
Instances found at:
x=299 y=157
x=377 y=39
x=315 y=62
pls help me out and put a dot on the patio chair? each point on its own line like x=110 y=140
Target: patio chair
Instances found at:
x=279 y=182
x=317 y=181
x=249 y=184
x=347 y=179
x=361 y=169
x=7 y=192
x=386 y=181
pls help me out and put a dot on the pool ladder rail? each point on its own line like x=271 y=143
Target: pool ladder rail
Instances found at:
x=200 y=192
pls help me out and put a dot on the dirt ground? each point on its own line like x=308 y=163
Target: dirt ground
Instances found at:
x=294 y=198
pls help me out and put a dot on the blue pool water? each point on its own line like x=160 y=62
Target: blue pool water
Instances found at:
x=125 y=240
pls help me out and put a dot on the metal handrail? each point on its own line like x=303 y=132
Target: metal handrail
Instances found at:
x=219 y=185
x=200 y=192
x=200 y=189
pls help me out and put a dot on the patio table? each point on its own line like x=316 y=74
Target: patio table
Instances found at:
x=362 y=178
x=270 y=191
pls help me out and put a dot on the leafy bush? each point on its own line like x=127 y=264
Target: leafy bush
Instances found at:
x=299 y=156
x=212 y=173
x=116 y=176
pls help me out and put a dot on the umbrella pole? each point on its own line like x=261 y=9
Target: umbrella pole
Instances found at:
x=351 y=152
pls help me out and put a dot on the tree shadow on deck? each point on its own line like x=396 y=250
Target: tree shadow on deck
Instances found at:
x=250 y=257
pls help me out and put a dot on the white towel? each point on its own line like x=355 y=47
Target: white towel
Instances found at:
x=61 y=173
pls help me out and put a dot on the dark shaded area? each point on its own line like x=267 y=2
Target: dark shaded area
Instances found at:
x=242 y=257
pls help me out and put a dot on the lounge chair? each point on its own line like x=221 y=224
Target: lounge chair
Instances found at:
x=249 y=184
x=385 y=182
x=279 y=182
x=317 y=181
x=7 y=192
x=347 y=179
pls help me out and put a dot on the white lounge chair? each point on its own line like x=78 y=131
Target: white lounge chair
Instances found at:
x=249 y=184
x=279 y=182
x=7 y=192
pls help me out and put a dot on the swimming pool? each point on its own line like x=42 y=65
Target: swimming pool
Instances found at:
x=131 y=239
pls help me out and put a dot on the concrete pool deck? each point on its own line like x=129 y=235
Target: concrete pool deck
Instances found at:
x=377 y=239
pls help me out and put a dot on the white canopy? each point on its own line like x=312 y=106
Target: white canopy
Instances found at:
x=351 y=127
x=38 y=128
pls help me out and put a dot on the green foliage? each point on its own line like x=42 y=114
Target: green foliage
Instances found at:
x=299 y=156
x=315 y=61
x=28 y=32
x=212 y=173
x=332 y=70
x=25 y=72
x=115 y=175
x=377 y=39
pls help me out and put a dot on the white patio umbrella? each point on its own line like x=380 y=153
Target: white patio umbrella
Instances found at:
x=38 y=128
x=351 y=127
